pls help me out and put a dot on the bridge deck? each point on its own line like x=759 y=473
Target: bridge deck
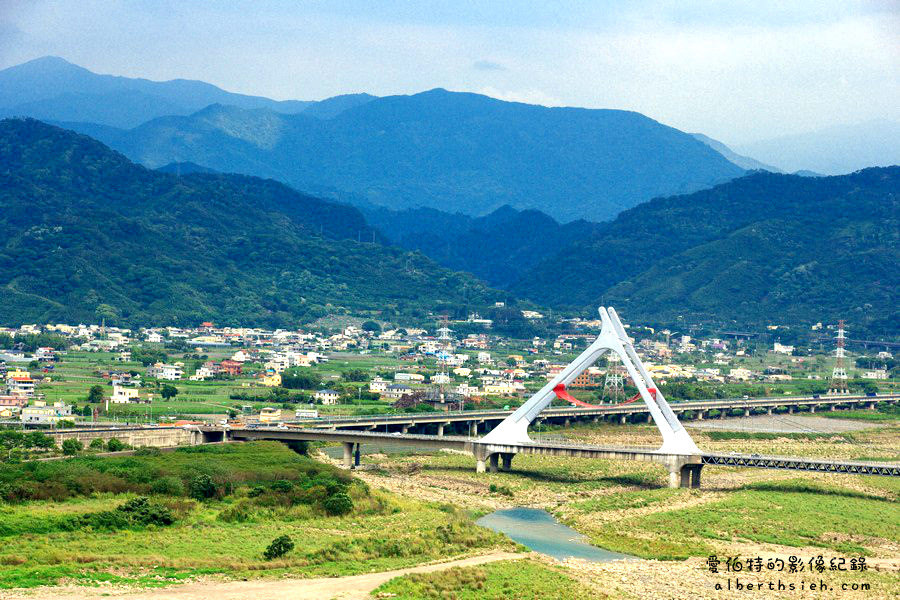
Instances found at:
x=473 y=444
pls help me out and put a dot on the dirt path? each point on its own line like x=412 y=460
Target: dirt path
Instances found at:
x=354 y=587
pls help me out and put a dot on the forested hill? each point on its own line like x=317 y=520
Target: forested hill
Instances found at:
x=766 y=248
x=498 y=247
x=85 y=232
x=456 y=152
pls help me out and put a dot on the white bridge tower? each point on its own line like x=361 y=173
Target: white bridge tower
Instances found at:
x=612 y=338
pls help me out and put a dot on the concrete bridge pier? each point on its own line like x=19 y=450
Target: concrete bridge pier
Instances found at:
x=723 y=412
x=769 y=411
x=493 y=462
x=440 y=430
x=790 y=410
x=405 y=429
x=812 y=408
x=683 y=471
x=507 y=460
x=623 y=420
x=699 y=415
x=746 y=412
x=348 y=454
x=473 y=428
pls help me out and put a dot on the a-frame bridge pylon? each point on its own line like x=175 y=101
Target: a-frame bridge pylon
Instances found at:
x=612 y=338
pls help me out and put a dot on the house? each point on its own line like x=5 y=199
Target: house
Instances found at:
x=204 y=372
x=270 y=380
x=231 y=367
x=41 y=414
x=327 y=396
x=124 y=395
x=466 y=390
x=418 y=377
x=378 y=385
x=19 y=383
x=167 y=372
x=16 y=402
x=592 y=376
x=501 y=388
x=397 y=391
x=269 y=414
x=154 y=338
x=46 y=354
x=782 y=349
x=876 y=374
x=740 y=374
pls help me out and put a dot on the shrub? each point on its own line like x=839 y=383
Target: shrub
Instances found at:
x=115 y=445
x=338 y=504
x=279 y=547
x=147 y=451
x=167 y=486
x=202 y=487
x=255 y=491
x=283 y=485
x=239 y=513
x=97 y=444
x=71 y=446
x=137 y=512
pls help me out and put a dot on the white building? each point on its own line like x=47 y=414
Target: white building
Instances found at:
x=378 y=385
x=876 y=374
x=327 y=396
x=124 y=395
x=782 y=349
x=409 y=377
x=167 y=372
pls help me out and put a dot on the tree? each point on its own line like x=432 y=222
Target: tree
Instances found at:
x=279 y=547
x=201 y=487
x=115 y=445
x=300 y=379
x=168 y=391
x=354 y=375
x=71 y=447
x=371 y=326
x=338 y=504
x=38 y=439
x=95 y=394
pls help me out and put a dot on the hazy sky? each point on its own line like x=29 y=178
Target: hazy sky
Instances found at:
x=738 y=71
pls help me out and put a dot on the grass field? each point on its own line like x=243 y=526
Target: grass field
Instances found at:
x=522 y=580
x=224 y=534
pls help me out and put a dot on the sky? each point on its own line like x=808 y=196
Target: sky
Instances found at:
x=737 y=71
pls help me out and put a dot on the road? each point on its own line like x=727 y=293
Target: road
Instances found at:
x=354 y=587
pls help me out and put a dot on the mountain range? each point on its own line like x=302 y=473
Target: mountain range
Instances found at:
x=457 y=152
x=84 y=233
x=834 y=150
x=765 y=248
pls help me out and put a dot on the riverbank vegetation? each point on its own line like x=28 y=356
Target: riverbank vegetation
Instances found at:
x=155 y=519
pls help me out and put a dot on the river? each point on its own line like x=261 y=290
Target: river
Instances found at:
x=538 y=530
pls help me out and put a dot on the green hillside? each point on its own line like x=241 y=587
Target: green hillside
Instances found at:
x=84 y=232
x=766 y=248
x=456 y=152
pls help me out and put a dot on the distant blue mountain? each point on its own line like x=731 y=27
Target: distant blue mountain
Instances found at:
x=457 y=152
x=53 y=89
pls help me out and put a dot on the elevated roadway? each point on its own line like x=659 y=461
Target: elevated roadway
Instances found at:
x=473 y=419
x=684 y=470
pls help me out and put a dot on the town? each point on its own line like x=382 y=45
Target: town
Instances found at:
x=59 y=375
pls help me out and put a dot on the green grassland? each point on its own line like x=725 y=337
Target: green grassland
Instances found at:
x=626 y=506
x=51 y=531
x=522 y=579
